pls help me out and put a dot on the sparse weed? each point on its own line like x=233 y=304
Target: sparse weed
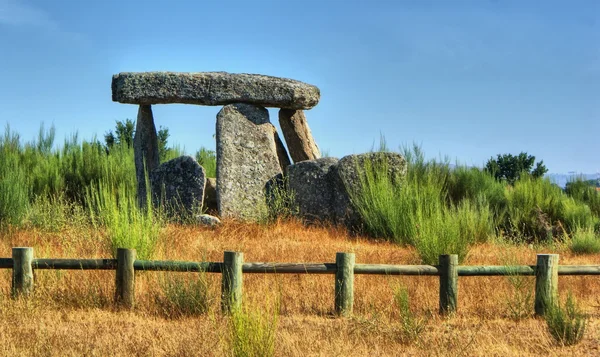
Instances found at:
x=566 y=324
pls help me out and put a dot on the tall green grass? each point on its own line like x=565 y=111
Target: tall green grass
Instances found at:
x=416 y=211
x=115 y=208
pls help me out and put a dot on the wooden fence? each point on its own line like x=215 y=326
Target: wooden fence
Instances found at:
x=546 y=273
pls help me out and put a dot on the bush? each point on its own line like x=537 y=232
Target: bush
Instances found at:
x=115 y=207
x=416 y=211
x=538 y=210
x=585 y=241
x=208 y=160
x=566 y=324
x=584 y=192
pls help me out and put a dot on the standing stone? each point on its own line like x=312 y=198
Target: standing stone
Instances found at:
x=179 y=185
x=346 y=180
x=297 y=135
x=247 y=159
x=312 y=186
x=145 y=145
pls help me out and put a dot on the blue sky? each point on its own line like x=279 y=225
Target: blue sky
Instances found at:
x=466 y=79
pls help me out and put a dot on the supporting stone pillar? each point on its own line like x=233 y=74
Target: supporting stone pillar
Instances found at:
x=145 y=144
x=298 y=137
x=247 y=159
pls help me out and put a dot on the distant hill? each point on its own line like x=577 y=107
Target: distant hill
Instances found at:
x=562 y=179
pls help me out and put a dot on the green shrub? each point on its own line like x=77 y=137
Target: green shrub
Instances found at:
x=583 y=191
x=14 y=190
x=184 y=297
x=585 y=241
x=115 y=207
x=539 y=210
x=416 y=211
x=208 y=160
x=411 y=327
x=252 y=333
x=566 y=324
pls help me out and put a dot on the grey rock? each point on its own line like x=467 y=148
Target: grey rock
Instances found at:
x=247 y=159
x=312 y=186
x=145 y=146
x=210 y=195
x=212 y=88
x=298 y=136
x=347 y=183
x=208 y=220
x=179 y=185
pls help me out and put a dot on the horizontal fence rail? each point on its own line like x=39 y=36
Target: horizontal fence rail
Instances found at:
x=232 y=268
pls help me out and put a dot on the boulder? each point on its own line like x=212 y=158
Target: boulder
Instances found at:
x=179 y=185
x=346 y=180
x=212 y=88
x=210 y=195
x=145 y=146
x=247 y=158
x=312 y=187
x=208 y=220
x=298 y=137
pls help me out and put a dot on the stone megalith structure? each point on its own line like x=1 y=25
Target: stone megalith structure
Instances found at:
x=298 y=137
x=247 y=158
x=312 y=187
x=244 y=96
x=145 y=147
x=179 y=184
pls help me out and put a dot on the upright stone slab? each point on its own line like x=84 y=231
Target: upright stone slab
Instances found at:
x=145 y=145
x=313 y=189
x=178 y=185
x=297 y=135
x=346 y=179
x=246 y=160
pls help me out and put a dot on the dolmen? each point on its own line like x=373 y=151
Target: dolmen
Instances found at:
x=249 y=150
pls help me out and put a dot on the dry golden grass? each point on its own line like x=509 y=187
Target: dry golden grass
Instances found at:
x=71 y=312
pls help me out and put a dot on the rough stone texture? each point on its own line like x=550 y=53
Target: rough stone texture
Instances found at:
x=246 y=160
x=210 y=195
x=207 y=220
x=145 y=146
x=313 y=189
x=346 y=180
x=212 y=88
x=179 y=184
x=297 y=135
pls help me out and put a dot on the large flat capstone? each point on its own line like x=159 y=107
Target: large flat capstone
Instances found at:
x=212 y=88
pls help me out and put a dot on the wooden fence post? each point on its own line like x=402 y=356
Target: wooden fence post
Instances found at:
x=448 y=269
x=344 y=283
x=546 y=282
x=231 y=281
x=125 y=281
x=22 y=277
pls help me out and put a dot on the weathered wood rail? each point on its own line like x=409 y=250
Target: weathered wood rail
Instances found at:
x=546 y=272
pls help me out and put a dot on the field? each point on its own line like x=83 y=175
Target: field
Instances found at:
x=79 y=200
x=71 y=313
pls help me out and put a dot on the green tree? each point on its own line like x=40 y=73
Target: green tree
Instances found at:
x=123 y=134
x=510 y=168
x=125 y=131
